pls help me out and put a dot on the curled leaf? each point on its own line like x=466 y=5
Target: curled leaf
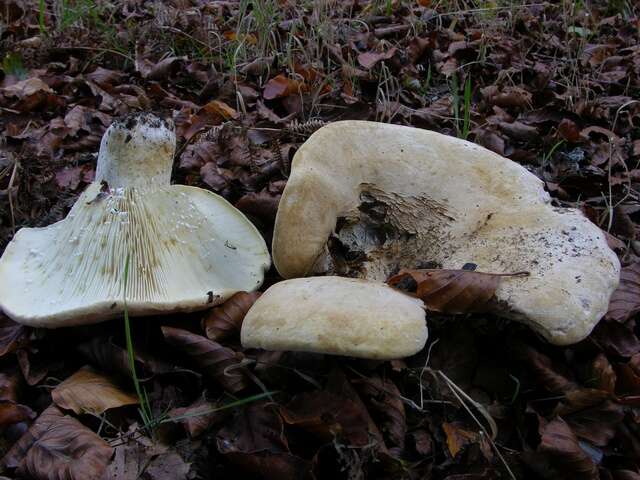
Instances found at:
x=451 y=291
x=218 y=362
x=226 y=319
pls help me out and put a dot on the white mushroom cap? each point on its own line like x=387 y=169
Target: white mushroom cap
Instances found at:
x=338 y=316
x=364 y=199
x=189 y=249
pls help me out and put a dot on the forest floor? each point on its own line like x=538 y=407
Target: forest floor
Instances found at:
x=553 y=86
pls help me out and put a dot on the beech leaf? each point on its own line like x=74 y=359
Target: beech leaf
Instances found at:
x=59 y=447
x=197 y=417
x=451 y=291
x=226 y=319
x=88 y=391
x=625 y=301
x=281 y=86
x=12 y=335
x=210 y=356
x=560 y=454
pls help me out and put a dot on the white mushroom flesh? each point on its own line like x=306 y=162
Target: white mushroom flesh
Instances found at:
x=188 y=248
x=365 y=199
x=337 y=316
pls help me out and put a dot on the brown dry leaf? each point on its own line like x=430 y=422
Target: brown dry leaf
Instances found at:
x=457 y=437
x=26 y=88
x=248 y=38
x=602 y=375
x=625 y=301
x=384 y=401
x=88 y=391
x=12 y=335
x=10 y=410
x=263 y=204
x=197 y=417
x=590 y=417
x=141 y=458
x=210 y=356
x=34 y=367
x=569 y=131
x=163 y=69
x=616 y=339
x=328 y=416
x=559 y=454
x=254 y=441
x=106 y=78
x=111 y=358
x=281 y=86
x=370 y=59
x=59 y=447
x=220 y=108
x=544 y=371
x=226 y=319
x=451 y=291
x=72 y=177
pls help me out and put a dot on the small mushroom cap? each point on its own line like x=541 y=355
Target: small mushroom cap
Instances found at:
x=189 y=249
x=364 y=199
x=337 y=316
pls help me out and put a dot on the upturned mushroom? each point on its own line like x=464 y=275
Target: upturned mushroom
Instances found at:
x=365 y=199
x=337 y=316
x=189 y=249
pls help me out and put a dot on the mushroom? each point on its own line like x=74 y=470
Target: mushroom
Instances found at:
x=189 y=249
x=365 y=199
x=338 y=316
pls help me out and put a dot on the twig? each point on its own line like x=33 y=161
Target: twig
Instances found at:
x=459 y=393
x=9 y=188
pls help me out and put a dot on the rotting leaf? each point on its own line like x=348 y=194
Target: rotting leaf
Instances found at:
x=451 y=291
x=59 y=447
x=88 y=391
x=625 y=301
x=218 y=362
x=226 y=319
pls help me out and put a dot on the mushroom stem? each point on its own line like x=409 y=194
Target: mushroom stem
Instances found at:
x=136 y=151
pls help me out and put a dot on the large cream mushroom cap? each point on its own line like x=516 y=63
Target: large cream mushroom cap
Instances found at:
x=364 y=199
x=338 y=316
x=189 y=249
